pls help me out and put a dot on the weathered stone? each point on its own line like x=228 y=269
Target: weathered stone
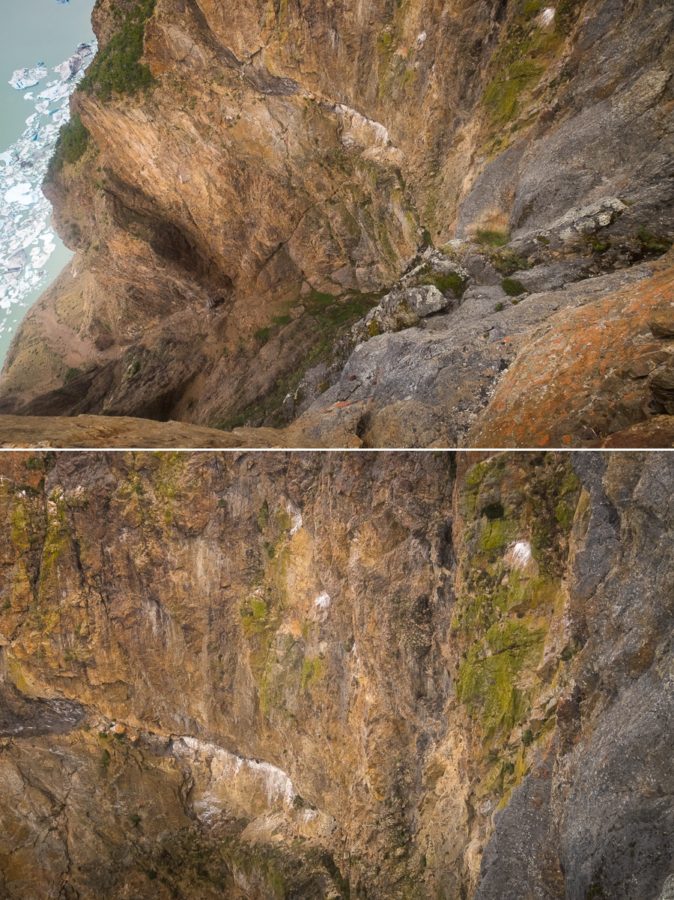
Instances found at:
x=662 y=323
x=329 y=675
x=401 y=309
x=289 y=154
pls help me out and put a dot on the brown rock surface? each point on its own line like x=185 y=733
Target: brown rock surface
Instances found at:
x=579 y=366
x=106 y=431
x=586 y=375
x=332 y=675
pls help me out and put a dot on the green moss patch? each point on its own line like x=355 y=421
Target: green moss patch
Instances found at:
x=513 y=287
x=452 y=282
x=313 y=669
x=488 y=677
x=491 y=237
x=525 y=53
x=502 y=96
x=56 y=541
x=254 y=616
x=495 y=535
x=502 y=616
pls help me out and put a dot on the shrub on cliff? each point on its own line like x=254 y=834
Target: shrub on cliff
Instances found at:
x=117 y=68
x=71 y=145
x=513 y=287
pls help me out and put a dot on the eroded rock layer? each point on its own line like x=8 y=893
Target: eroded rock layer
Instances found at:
x=244 y=181
x=381 y=676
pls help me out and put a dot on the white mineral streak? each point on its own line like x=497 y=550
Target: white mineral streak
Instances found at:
x=295 y=517
x=548 y=15
x=26 y=238
x=358 y=126
x=520 y=554
x=366 y=135
x=323 y=601
x=239 y=774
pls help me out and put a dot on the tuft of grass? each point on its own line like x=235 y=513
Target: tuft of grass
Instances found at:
x=262 y=335
x=597 y=245
x=491 y=237
x=499 y=307
x=652 y=243
x=71 y=374
x=507 y=262
x=452 y=281
x=513 y=287
x=117 y=68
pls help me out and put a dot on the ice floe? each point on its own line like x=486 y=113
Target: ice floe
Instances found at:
x=26 y=237
x=25 y=78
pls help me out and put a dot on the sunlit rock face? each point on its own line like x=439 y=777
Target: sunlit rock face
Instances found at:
x=284 y=165
x=333 y=675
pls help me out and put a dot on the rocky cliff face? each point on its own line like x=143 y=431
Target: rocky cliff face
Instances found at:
x=336 y=675
x=243 y=181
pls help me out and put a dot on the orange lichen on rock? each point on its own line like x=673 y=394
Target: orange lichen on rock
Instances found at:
x=587 y=373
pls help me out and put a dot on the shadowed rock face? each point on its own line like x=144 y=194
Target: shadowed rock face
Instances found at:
x=335 y=675
x=24 y=717
x=287 y=165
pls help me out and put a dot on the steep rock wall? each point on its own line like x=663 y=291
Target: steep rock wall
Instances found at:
x=331 y=676
x=289 y=159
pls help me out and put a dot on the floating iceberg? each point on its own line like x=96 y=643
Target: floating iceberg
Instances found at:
x=22 y=193
x=78 y=61
x=25 y=78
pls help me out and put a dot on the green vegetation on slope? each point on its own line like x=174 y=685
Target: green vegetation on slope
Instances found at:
x=502 y=616
x=117 y=68
x=529 y=48
x=71 y=146
x=331 y=316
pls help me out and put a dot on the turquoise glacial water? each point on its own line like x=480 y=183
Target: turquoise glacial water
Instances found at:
x=32 y=31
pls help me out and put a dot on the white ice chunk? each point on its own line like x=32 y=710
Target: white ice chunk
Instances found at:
x=21 y=193
x=25 y=78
